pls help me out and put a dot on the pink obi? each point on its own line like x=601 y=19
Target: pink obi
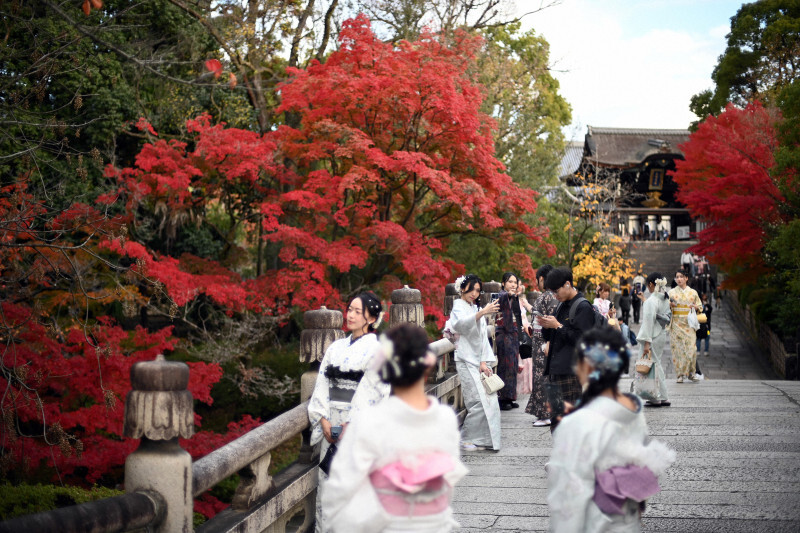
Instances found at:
x=414 y=491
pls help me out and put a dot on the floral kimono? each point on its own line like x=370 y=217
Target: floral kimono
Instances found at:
x=682 y=337
x=345 y=384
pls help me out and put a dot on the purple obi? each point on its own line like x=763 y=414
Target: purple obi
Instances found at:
x=616 y=485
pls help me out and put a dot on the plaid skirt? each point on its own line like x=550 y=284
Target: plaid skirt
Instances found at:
x=570 y=386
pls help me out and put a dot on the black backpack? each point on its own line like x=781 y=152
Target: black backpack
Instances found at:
x=599 y=320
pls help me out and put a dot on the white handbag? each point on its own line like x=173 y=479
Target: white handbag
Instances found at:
x=692 y=318
x=492 y=384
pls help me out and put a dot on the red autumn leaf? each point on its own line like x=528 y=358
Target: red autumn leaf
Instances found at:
x=97 y=4
x=86 y=8
x=213 y=65
x=232 y=80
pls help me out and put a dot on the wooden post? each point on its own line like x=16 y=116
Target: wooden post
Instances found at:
x=159 y=410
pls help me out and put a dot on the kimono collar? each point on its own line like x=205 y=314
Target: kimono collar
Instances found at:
x=353 y=341
x=613 y=410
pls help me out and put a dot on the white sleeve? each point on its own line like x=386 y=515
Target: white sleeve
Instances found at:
x=649 y=325
x=348 y=501
x=370 y=391
x=487 y=354
x=570 y=477
x=319 y=406
x=463 y=320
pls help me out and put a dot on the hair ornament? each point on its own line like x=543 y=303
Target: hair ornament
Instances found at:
x=661 y=285
x=460 y=281
x=603 y=358
x=386 y=358
x=379 y=320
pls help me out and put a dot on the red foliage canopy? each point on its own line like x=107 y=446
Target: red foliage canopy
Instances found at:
x=725 y=180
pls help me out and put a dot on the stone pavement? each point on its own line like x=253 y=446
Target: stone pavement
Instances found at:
x=738 y=441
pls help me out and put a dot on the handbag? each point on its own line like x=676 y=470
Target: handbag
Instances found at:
x=692 y=319
x=644 y=364
x=525 y=345
x=702 y=318
x=492 y=384
x=325 y=463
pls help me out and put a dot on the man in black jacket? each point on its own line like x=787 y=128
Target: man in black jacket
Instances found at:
x=563 y=333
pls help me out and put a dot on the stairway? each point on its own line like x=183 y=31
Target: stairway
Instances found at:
x=659 y=256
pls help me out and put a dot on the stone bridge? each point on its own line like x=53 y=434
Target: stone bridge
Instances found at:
x=737 y=435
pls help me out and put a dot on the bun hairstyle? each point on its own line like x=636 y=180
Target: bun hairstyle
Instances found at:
x=607 y=352
x=372 y=308
x=404 y=356
x=655 y=276
x=467 y=283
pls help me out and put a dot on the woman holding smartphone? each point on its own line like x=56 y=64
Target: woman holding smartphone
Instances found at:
x=474 y=355
x=346 y=382
x=507 y=328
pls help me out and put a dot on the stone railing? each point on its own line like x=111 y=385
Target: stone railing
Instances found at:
x=781 y=357
x=161 y=480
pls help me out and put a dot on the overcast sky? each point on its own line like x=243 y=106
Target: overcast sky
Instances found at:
x=632 y=63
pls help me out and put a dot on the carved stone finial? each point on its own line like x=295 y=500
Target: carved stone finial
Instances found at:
x=159 y=407
x=407 y=307
x=323 y=326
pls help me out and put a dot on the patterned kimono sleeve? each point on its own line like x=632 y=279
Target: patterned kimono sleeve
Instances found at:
x=371 y=390
x=319 y=406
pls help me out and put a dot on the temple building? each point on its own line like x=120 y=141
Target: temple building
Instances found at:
x=638 y=163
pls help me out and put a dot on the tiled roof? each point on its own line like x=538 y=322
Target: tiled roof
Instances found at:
x=571 y=160
x=627 y=146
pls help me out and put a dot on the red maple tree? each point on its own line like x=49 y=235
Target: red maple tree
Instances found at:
x=392 y=157
x=726 y=181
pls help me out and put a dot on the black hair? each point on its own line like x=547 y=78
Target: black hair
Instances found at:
x=469 y=283
x=410 y=350
x=652 y=279
x=682 y=271
x=507 y=276
x=557 y=278
x=625 y=292
x=372 y=307
x=543 y=271
x=609 y=339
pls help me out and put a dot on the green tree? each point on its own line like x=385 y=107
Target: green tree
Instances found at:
x=762 y=57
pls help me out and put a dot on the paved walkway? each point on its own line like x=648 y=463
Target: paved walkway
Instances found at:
x=738 y=442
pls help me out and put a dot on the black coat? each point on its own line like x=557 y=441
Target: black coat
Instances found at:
x=563 y=340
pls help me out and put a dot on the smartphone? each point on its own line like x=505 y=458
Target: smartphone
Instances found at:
x=554 y=398
x=336 y=432
x=493 y=297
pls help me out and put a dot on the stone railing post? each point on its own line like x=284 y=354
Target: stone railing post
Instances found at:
x=407 y=307
x=158 y=410
x=321 y=328
x=450 y=294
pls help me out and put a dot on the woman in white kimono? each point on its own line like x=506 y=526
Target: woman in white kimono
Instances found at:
x=474 y=355
x=652 y=338
x=346 y=382
x=603 y=465
x=399 y=461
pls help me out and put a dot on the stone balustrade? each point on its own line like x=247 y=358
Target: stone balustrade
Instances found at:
x=161 y=480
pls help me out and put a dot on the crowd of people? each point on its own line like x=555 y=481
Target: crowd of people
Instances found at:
x=391 y=456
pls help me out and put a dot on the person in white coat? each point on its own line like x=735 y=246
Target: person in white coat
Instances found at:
x=603 y=465
x=346 y=382
x=474 y=357
x=399 y=461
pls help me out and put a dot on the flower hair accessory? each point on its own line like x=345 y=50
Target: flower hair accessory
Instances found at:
x=661 y=285
x=603 y=358
x=460 y=281
x=386 y=358
x=379 y=321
